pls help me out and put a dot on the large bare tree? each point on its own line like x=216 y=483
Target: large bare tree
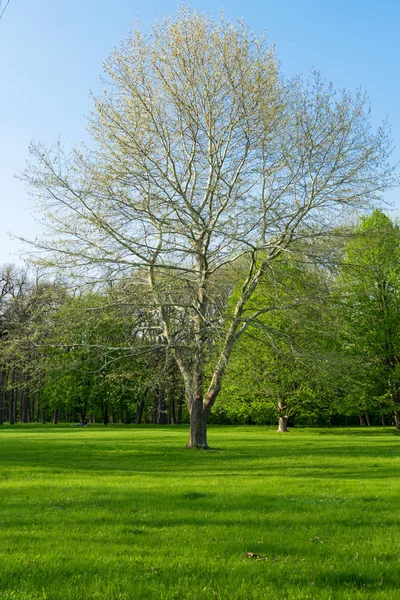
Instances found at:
x=204 y=158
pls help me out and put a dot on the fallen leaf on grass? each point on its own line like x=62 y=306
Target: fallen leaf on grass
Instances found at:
x=256 y=556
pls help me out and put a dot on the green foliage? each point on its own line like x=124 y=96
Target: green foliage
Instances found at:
x=369 y=289
x=317 y=348
x=282 y=361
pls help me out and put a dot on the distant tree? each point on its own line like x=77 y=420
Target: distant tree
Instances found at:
x=370 y=306
x=281 y=368
x=27 y=307
x=204 y=155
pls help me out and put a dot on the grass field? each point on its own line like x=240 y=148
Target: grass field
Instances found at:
x=128 y=513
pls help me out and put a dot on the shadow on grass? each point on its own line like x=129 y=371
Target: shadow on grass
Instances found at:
x=145 y=508
x=144 y=570
x=362 y=432
x=348 y=461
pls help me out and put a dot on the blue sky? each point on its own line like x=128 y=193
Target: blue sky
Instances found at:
x=51 y=56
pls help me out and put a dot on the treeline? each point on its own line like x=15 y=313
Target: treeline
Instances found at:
x=323 y=349
x=71 y=356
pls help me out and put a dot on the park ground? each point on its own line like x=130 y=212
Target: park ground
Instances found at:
x=127 y=512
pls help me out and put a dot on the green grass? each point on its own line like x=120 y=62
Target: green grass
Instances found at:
x=128 y=513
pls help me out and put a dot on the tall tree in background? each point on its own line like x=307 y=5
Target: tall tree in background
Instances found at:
x=370 y=288
x=27 y=308
x=280 y=368
x=204 y=156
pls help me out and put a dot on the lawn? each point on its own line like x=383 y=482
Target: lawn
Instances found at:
x=127 y=513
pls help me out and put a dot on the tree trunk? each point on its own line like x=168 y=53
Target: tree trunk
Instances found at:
x=367 y=419
x=198 y=430
x=104 y=410
x=162 y=408
x=171 y=405
x=382 y=417
x=282 y=424
x=395 y=397
x=154 y=416
x=2 y=399
x=282 y=417
x=198 y=426
x=25 y=406
x=396 y=415
x=140 y=407
x=139 y=410
x=12 y=406
x=180 y=408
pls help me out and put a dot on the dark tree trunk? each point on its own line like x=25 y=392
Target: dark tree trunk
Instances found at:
x=12 y=407
x=368 y=422
x=395 y=397
x=396 y=415
x=362 y=421
x=2 y=399
x=104 y=410
x=25 y=412
x=43 y=415
x=382 y=417
x=181 y=399
x=171 y=406
x=140 y=407
x=162 y=408
x=159 y=416
x=198 y=424
x=154 y=416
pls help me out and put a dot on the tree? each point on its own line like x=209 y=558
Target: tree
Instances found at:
x=281 y=368
x=204 y=157
x=27 y=308
x=370 y=306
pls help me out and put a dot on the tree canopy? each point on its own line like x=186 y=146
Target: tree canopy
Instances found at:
x=205 y=161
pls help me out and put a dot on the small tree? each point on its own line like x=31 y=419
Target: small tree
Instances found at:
x=283 y=363
x=204 y=155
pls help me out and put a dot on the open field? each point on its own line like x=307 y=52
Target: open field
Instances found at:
x=127 y=512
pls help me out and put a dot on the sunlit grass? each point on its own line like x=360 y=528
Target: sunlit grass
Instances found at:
x=127 y=512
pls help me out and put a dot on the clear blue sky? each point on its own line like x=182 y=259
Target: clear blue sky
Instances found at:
x=51 y=55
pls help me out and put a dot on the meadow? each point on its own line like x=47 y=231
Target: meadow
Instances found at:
x=127 y=512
